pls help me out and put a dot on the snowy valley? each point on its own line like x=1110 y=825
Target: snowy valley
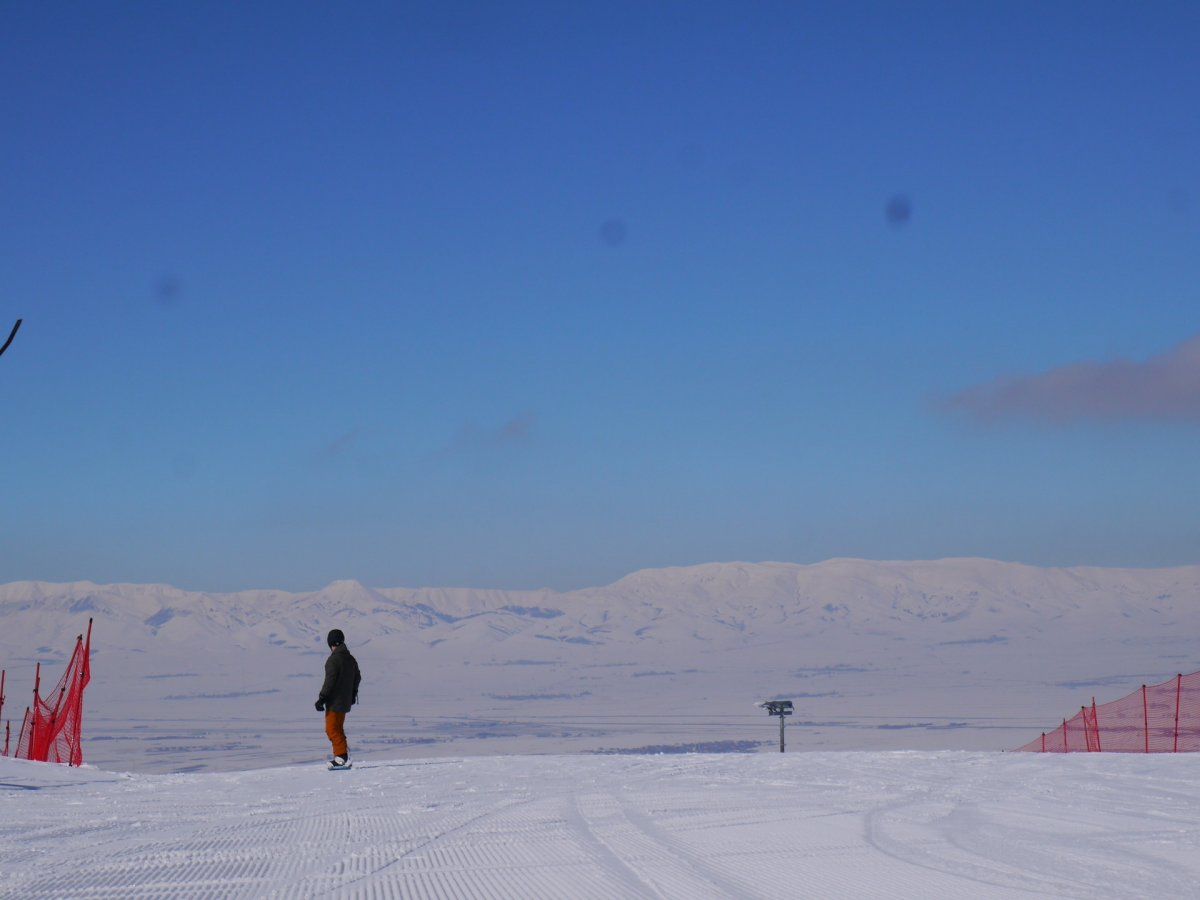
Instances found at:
x=960 y=654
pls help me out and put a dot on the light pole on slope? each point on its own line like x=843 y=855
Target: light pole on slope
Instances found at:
x=779 y=708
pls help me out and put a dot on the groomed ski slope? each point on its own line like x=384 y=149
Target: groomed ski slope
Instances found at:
x=828 y=825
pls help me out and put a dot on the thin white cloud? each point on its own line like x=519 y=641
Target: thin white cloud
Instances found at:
x=1164 y=388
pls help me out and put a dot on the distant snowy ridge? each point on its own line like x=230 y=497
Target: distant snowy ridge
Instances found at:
x=712 y=601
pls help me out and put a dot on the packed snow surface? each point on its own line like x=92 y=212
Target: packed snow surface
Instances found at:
x=823 y=824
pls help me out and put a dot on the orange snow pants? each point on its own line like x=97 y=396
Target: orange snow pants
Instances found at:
x=336 y=732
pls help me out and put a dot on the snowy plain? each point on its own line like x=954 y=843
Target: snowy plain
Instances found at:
x=961 y=654
x=822 y=825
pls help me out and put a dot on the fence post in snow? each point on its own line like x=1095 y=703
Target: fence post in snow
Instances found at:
x=37 y=683
x=1178 y=690
x=1145 y=719
x=1096 y=725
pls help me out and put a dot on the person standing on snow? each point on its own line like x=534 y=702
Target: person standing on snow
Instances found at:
x=338 y=693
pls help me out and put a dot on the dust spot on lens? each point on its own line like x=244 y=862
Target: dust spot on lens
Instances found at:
x=613 y=232
x=898 y=210
x=168 y=291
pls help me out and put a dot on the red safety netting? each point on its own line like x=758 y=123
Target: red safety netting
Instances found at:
x=1160 y=718
x=52 y=730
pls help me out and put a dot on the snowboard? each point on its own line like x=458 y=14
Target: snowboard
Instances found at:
x=332 y=768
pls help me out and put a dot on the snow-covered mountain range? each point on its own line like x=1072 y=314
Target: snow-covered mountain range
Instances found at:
x=959 y=653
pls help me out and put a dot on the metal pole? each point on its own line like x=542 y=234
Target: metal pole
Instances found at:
x=77 y=712
x=1145 y=719
x=1178 y=688
x=37 y=683
x=781 y=732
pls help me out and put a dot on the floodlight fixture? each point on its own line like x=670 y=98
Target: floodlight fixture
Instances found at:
x=779 y=708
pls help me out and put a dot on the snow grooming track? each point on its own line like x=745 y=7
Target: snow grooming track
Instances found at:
x=430 y=868
x=828 y=825
x=654 y=859
x=1077 y=842
x=608 y=858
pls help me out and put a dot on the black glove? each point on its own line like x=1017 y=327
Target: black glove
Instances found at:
x=320 y=705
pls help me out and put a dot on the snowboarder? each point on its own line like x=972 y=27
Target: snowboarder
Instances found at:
x=338 y=693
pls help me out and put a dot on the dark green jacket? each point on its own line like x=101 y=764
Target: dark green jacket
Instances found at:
x=340 y=690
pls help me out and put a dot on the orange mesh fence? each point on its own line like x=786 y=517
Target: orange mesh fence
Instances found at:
x=53 y=725
x=1160 y=718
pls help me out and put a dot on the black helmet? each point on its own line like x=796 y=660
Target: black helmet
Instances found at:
x=335 y=637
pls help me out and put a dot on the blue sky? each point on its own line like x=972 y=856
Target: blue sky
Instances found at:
x=524 y=295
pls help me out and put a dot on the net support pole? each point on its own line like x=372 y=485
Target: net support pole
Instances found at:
x=1145 y=719
x=1066 y=748
x=1178 y=691
x=1096 y=725
x=76 y=749
x=37 y=684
